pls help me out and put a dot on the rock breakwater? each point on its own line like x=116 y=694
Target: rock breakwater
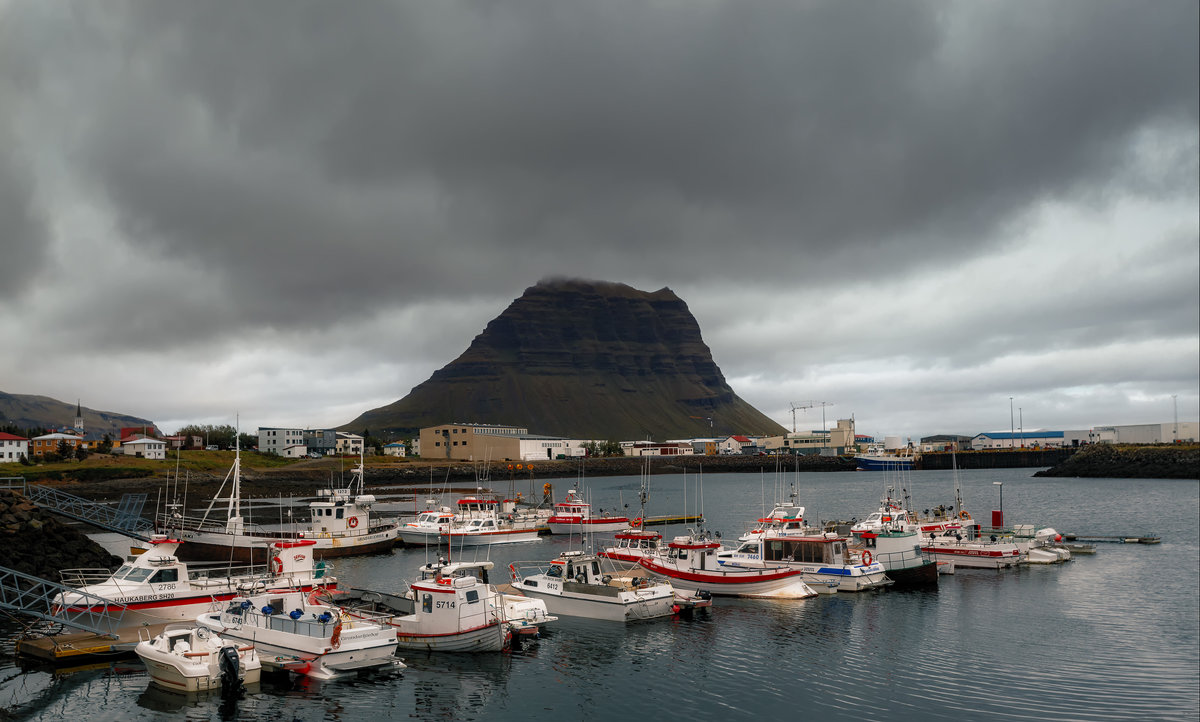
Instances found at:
x=36 y=542
x=1110 y=461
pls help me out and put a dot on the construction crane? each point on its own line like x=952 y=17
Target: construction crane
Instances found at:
x=809 y=405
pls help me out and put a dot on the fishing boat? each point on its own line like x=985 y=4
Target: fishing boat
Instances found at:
x=294 y=632
x=690 y=563
x=574 y=585
x=959 y=541
x=785 y=519
x=630 y=546
x=881 y=458
x=340 y=522
x=573 y=515
x=156 y=586
x=824 y=558
x=451 y=608
x=480 y=520
x=189 y=658
x=889 y=537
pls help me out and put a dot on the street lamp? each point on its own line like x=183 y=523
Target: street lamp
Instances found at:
x=998 y=516
x=1012 y=427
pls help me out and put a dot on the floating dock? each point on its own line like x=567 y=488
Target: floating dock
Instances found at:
x=672 y=519
x=1121 y=539
x=73 y=646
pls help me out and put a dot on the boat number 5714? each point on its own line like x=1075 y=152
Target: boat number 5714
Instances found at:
x=445 y=605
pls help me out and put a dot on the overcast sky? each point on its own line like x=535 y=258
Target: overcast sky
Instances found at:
x=297 y=211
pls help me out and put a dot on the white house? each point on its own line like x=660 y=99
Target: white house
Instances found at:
x=350 y=444
x=282 y=442
x=145 y=448
x=394 y=449
x=13 y=447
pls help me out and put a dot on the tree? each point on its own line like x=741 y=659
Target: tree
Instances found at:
x=65 y=450
x=105 y=445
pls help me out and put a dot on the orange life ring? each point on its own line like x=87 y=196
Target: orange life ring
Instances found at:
x=964 y=515
x=636 y=523
x=335 y=640
x=867 y=558
x=352 y=522
x=512 y=570
x=276 y=565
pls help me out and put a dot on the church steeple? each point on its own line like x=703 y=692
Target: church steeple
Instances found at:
x=78 y=416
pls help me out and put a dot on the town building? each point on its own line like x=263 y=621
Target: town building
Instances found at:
x=486 y=442
x=394 y=449
x=1017 y=440
x=322 y=441
x=349 y=444
x=145 y=448
x=282 y=442
x=49 y=443
x=13 y=447
x=1182 y=432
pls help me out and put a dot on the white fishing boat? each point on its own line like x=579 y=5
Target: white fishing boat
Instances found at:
x=690 y=563
x=294 y=632
x=428 y=527
x=574 y=585
x=452 y=607
x=824 y=558
x=340 y=523
x=785 y=519
x=574 y=515
x=959 y=541
x=889 y=537
x=189 y=658
x=157 y=586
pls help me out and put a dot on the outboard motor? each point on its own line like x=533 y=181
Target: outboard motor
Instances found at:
x=231 y=680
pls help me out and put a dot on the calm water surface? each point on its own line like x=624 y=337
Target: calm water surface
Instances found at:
x=1114 y=636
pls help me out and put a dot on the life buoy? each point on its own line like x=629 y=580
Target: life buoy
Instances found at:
x=964 y=515
x=636 y=523
x=512 y=570
x=276 y=565
x=335 y=640
x=867 y=558
x=352 y=522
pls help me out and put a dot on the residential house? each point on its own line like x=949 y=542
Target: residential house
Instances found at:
x=13 y=447
x=145 y=448
x=394 y=449
x=48 y=443
x=282 y=441
x=349 y=444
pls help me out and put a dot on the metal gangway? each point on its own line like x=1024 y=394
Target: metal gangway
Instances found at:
x=34 y=596
x=125 y=518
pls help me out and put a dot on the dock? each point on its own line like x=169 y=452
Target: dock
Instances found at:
x=72 y=646
x=672 y=519
x=1120 y=539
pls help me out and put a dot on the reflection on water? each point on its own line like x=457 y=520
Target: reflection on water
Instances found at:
x=1110 y=636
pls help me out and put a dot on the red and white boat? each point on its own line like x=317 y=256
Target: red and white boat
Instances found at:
x=959 y=541
x=573 y=515
x=156 y=586
x=690 y=563
x=631 y=546
x=479 y=521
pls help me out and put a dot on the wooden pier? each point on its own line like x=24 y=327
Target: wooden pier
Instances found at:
x=1122 y=539
x=73 y=646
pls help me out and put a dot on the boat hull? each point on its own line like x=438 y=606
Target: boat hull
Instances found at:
x=601 y=603
x=922 y=574
x=970 y=557
x=588 y=526
x=736 y=582
x=883 y=463
x=490 y=638
x=170 y=674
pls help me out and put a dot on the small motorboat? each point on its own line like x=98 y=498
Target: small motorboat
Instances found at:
x=295 y=632
x=188 y=658
x=574 y=585
x=824 y=558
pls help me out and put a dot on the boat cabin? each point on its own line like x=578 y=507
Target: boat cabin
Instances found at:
x=698 y=553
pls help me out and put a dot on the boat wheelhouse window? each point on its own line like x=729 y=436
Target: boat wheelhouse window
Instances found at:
x=596 y=568
x=165 y=575
x=800 y=551
x=340 y=512
x=472 y=596
x=427 y=603
x=138 y=575
x=750 y=548
x=120 y=573
x=555 y=570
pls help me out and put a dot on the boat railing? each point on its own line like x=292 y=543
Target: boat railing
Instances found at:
x=200 y=524
x=281 y=622
x=84 y=577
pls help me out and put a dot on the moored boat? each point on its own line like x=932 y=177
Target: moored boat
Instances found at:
x=294 y=632
x=340 y=523
x=190 y=658
x=690 y=563
x=574 y=585
x=823 y=558
x=451 y=608
x=630 y=546
x=157 y=586
x=573 y=515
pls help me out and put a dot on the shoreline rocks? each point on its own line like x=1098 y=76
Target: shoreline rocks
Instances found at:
x=1110 y=461
x=40 y=544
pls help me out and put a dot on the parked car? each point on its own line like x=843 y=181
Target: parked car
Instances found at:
x=211 y=447
x=314 y=455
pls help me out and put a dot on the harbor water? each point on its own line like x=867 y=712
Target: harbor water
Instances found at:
x=1109 y=636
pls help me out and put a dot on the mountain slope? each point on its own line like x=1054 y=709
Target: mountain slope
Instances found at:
x=582 y=359
x=27 y=411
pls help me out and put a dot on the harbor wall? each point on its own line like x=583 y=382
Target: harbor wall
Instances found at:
x=994 y=459
x=36 y=542
x=1111 y=461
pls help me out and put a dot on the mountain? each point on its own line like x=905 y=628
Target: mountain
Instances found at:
x=582 y=359
x=27 y=412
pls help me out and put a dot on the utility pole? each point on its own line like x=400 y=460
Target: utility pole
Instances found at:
x=1021 y=416
x=1012 y=429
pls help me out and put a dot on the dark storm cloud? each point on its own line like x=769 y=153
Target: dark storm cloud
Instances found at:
x=381 y=146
